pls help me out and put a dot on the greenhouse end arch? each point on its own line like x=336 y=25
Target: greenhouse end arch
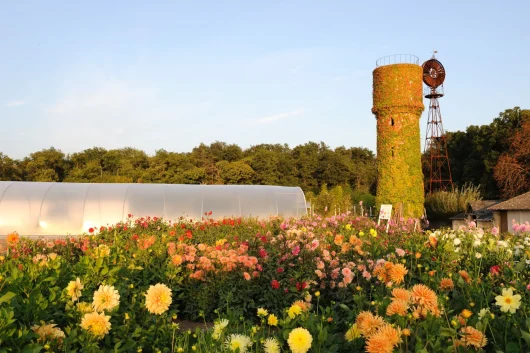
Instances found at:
x=55 y=209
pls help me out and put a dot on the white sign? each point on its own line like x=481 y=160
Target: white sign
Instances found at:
x=384 y=213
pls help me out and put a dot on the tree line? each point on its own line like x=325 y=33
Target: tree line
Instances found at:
x=310 y=166
x=495 y=157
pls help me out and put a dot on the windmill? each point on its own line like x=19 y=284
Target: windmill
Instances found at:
x=435 y=139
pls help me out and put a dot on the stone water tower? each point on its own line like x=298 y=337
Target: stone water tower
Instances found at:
x=397 y=105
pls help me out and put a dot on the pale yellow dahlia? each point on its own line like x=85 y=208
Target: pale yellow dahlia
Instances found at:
x=105 y=298
x=507 y=301
x=300 y=340
x=218 y=328
x=48 y=332
x=97 y=324
x=262 y=312
x=236 y=341
x=271 y=345
x=73 y=289
x=158 y=299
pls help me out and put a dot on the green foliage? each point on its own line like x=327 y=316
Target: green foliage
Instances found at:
x=443 y=204
x=398 y=105
x=474 y=153
x=309 y=166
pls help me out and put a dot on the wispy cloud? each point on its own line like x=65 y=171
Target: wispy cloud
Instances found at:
x=277 y=117
x=107 y=94
x=15 y=103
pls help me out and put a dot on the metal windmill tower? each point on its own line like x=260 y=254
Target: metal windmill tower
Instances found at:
x=435 y=140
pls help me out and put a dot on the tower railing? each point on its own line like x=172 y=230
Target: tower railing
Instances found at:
x=397 y=59
x=438 y=91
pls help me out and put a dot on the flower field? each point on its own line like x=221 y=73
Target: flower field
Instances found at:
x=339 y=284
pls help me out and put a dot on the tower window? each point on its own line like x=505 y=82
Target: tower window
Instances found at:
x=392 y=121
x=392 y=150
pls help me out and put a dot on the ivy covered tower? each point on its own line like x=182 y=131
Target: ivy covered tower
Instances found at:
x=397 y=105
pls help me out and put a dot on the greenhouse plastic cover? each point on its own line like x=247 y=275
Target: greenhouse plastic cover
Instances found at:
x=54 y=209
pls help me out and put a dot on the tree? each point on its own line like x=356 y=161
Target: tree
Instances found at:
x=473 y=154
x=9 y=169
x=46 y=165
x=512 y=171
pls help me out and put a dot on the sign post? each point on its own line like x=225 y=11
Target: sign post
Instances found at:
x=384 y=213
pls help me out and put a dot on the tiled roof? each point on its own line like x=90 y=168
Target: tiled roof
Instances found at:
x=521 y=202
x=482 y=204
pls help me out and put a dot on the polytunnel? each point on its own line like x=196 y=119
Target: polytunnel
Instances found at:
x=55 y=209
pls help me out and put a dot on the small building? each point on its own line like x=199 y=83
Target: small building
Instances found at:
x=517 y=208
x=476 y=211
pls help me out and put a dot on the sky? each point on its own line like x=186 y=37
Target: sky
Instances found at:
x=172 y=74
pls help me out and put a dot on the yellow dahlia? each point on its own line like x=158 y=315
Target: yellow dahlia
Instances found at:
x=294 y=310
x=158 y=299
x=299 y=340
x=352 y=333
x=272 y=320
x=73 y=289
x=105 y=298
x=97 y=324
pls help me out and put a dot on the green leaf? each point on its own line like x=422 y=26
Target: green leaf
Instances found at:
x=447 y=332
x=519 y=267
x=32 y=348
x=104 y=270
x=7 y=297
x=526 y=337
x=512 y=347
x=344 y=306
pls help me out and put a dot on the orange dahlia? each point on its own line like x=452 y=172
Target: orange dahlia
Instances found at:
x=446 y=284
x=391 y=334
x=370 y=325
x=12 y=238
x=397 y=273
x=398 y=307
x=424 y=296
x=400 y=294
x=465 y=276
x=473 y=337
x=379 y=343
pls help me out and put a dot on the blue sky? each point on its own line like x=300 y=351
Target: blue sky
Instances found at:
x=170 y=75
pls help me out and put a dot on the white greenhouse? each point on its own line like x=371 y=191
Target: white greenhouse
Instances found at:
x=55 y=209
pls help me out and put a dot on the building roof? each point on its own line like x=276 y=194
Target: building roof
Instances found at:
x=460 y=216
x=521 y=202
x=475 y=206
